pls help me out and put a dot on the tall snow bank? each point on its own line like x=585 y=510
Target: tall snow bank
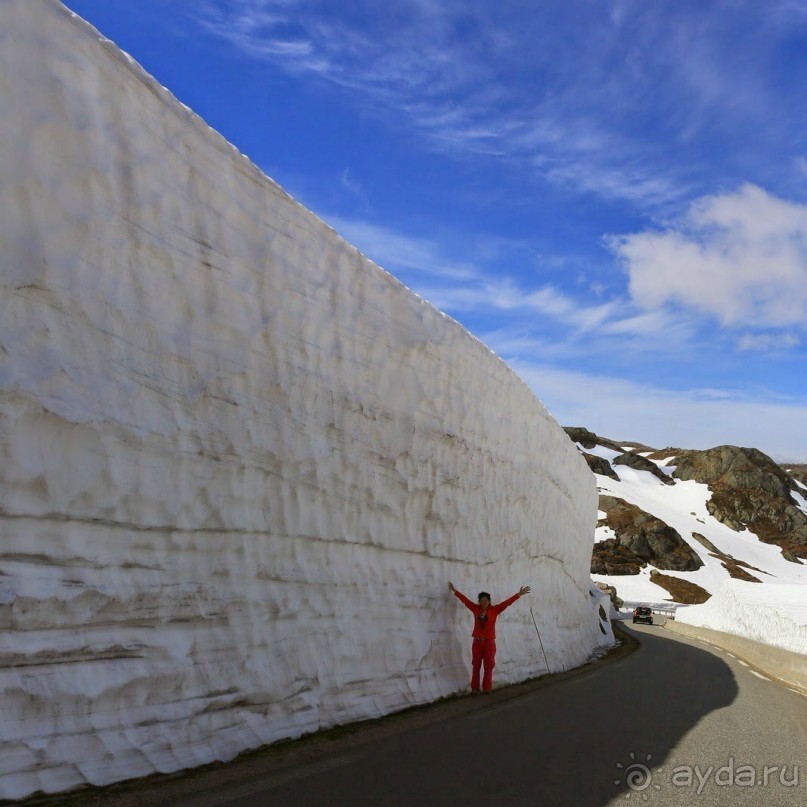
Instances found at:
x=238 y=461
x=774 y=613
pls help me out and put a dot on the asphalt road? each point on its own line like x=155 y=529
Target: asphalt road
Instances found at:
x=675 y=722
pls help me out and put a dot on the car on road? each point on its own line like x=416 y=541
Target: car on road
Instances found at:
x=642 y=614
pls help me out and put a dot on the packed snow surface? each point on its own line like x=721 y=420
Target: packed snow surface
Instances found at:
x=772 y=613
x=238 y=462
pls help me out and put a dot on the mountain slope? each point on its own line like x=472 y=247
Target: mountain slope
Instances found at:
x=734 y=510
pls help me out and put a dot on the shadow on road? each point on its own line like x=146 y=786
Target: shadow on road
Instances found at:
x=558 y=746
x=638 y=712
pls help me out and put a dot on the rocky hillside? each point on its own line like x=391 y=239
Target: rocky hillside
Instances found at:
x=700 y=517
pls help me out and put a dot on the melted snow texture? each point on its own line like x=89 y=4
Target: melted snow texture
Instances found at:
x=238 y=462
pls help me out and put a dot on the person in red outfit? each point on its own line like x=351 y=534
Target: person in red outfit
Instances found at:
x=483 y=642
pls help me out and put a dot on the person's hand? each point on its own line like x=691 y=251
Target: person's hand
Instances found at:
x=451 y=587
x=524 y=590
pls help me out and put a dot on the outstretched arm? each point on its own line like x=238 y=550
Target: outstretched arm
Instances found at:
x=510 y=600
x=461 y=597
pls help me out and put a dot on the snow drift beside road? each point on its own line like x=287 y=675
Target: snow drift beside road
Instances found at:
x=774 y=613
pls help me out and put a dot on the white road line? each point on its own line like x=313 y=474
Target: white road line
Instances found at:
x=759 y=675
x=743 y=663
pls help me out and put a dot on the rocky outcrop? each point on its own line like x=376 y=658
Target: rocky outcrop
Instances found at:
x=640 y=539
x=640 y=463
x=610 y=557
x=600 y=465
x=749 y=490
x=705 y=542
x=798 y=472
x=736 y=568
x=588 y=439
x=616 y=600
x=663 y=453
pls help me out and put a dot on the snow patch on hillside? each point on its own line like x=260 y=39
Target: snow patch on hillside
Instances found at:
x=683 y=507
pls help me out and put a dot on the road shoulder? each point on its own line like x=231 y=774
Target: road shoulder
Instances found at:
x=787 y=667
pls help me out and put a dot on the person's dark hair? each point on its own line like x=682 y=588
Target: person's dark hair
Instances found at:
x=482 y=594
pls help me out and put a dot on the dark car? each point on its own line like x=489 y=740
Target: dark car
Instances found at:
x=643 y=614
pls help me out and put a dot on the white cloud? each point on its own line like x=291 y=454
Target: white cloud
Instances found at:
x=740 y=257
x=626 y=410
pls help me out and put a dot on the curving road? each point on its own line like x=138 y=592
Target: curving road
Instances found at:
x=675 y=722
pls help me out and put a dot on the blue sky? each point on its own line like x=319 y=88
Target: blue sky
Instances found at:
x=612 y=194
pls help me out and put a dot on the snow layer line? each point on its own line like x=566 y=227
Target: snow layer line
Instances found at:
x=238 y=461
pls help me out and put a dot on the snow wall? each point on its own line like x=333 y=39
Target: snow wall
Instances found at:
x=238 y=461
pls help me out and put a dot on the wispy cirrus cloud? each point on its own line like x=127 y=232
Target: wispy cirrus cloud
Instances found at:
x=538 y=318
x=590 y=100
x=768 y=342
x=395 y=251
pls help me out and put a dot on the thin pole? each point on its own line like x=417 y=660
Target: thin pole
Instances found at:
x=539 y=640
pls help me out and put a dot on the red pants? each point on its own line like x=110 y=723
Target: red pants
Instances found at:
x=483 y=651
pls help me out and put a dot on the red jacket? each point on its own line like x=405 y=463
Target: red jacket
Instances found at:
x=485 y=628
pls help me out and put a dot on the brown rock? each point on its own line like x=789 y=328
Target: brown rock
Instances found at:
x=588 y=439
x=600 y=465
x=640 y=463
x=610 y=557
x=749 y=490
x=682 y=591
x=616 y=600
x=648 y=538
